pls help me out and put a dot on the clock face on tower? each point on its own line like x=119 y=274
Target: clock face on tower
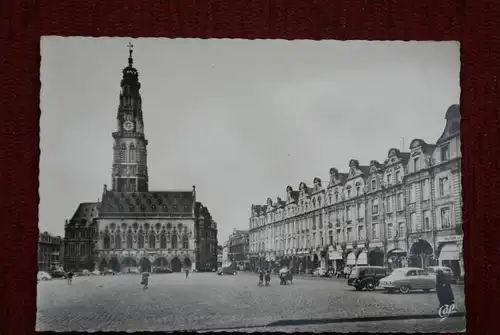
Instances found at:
x=128 y=125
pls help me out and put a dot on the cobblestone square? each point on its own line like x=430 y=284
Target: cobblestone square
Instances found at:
x=206 y=301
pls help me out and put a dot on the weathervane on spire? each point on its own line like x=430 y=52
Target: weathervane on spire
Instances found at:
x=130 y=50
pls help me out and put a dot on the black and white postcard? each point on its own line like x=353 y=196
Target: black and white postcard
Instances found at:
x=250 y=185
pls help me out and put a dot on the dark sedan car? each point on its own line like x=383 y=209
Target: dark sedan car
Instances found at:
x=58 y=274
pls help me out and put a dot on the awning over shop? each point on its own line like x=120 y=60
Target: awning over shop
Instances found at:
x=397 y=252
x=449 y=252
x=362 y=259
x=351 y=259
x=334 y=255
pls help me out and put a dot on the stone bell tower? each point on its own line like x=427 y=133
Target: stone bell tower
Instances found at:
x=130 y=170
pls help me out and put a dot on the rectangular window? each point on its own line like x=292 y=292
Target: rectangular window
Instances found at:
x=374 y=184
x=339 y=239
x=330 y=237
x=413 y=222
x=374 y=230
x=388 y=204
x=445 y=218
x=400 y=201
x=375 y=206
x=347 y=213
x=360 y=211
x=416 y=164
x=349 y=235
x=389 y=181
x=389 y=230
x=445 y=153
x=401 y=228
x=413 y=193
x=82 y=250
x=358 y=191
x=426 y=191
x=361 y=233
x=397 y=177
x=348 y=194
x=444 y=188
x=426 y=216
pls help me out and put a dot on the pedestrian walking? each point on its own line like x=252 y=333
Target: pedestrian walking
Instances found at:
x=268 y=278
x=145 y=280
x=443 y=289
x=187 y=272
x=70 y=277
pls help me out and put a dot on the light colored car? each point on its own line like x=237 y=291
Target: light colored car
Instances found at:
x=405 y=280
x=96 y=273
x=43 y=276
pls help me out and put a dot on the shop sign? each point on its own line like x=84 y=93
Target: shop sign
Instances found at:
x=452 y=238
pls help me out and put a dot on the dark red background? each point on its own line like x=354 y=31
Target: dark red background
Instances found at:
x=472 y=22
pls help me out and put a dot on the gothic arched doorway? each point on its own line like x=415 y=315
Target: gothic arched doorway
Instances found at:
x=376 y=257
x=176 y=265
x=145 y=265
x=103 y=265
x=160 y=262
x=420 y=254
x=128 y=264
x=187 y=263
x=114 y=264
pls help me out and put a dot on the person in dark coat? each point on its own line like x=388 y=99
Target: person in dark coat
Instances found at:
x=443 y=289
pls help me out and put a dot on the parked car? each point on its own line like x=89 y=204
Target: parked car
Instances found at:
x=108 y=272
x=406 y=279
x=448 y=271
x=226 y=271
x=133 y=270
x=162 y=269
x=43 y=276
x=96 y=273
x=58 y=274
x=367 y=277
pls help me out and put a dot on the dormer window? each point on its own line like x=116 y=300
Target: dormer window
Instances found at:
x=416 y=164
x=374 y=184
x=445 y=153
x=358 y=191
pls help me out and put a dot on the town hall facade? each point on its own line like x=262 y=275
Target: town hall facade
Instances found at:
x=134 y=227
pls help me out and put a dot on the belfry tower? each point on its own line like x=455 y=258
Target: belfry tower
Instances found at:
x=130 y=170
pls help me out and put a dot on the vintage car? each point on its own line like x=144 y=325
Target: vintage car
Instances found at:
x=162 y=269
x=226 y=271
x=405 y=280
x=366 y=277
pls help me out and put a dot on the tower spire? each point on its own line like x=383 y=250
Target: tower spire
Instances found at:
x=130 y=51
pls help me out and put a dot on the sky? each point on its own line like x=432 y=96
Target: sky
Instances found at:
x=240 y=119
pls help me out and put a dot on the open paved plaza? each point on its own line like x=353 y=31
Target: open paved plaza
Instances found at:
x=206 y=301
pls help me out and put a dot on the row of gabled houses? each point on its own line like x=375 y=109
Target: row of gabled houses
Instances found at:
x=404 y=211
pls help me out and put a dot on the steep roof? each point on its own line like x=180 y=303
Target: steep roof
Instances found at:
x=155 y=203
x=85 y=213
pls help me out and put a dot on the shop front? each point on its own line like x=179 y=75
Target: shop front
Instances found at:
x=396 y=258
x=335 y=259
x=450 y=253
x=362 y=258
x=351 y=259
x=421 y=254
